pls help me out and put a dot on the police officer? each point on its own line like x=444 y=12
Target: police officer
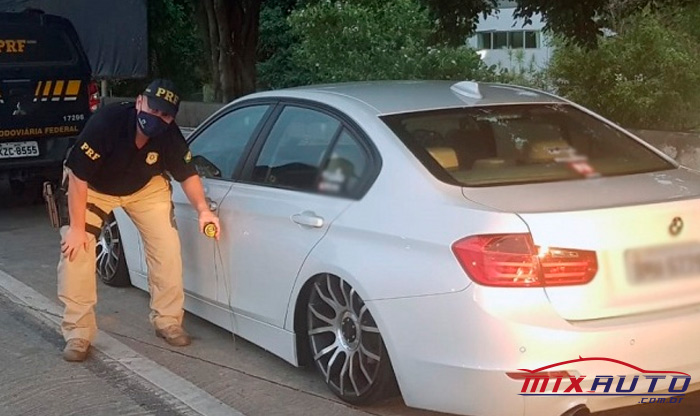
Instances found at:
x=122 y=159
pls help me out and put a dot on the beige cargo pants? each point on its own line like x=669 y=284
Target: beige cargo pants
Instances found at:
x=150 y=209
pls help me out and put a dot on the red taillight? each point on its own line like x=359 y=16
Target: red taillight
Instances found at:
x=94 y=96
x=513 y=260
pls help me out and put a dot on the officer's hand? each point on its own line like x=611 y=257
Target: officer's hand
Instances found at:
x=206 y=217
x=73 y=241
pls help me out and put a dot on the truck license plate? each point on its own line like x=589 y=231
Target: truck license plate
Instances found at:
x=18 y=149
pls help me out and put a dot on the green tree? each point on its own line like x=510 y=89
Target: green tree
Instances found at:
x=457 y=19
x=232 y=35
x=647 y=75
x=582 y=21
x=275 y=66
x=233 y=28
x=370 y=39
x=175 y=49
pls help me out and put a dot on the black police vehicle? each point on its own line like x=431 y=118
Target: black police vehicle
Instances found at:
x=46 y=95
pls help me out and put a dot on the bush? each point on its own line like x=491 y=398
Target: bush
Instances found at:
x=275 y=67
x=372 y=40
x=522 y=72
x=645 y=76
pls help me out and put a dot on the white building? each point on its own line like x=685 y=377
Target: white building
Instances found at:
x=502 y=40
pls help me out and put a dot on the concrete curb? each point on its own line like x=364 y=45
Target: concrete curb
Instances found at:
x=49 y=313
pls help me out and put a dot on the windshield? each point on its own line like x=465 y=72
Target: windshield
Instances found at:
x=527 y=143
x=35 y=45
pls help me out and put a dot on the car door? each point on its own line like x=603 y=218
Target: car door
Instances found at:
x=217 y=149
x=281 y=208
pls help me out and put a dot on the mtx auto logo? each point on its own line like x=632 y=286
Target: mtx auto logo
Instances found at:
x=650 y=386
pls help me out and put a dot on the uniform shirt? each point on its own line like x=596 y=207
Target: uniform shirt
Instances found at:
x=106 y=156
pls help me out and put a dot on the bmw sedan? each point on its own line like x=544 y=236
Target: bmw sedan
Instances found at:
x=481 y=249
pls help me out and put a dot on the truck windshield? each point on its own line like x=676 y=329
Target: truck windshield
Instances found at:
x=34 y=45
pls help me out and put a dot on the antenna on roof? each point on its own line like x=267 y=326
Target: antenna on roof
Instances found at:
x=467 y=88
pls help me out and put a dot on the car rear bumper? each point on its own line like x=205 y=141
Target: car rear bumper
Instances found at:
x=451 y=352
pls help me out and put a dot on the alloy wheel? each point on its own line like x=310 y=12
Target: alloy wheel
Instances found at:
x=109 y=250
x=345 y=340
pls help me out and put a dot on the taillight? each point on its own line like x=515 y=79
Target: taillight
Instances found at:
x=513 y=260
x=93 y=96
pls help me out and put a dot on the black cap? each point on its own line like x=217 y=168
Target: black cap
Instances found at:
x=163 y=96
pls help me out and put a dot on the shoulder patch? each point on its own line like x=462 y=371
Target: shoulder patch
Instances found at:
x=89 y=152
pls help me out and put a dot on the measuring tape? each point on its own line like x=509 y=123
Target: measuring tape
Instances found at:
x=210 y=230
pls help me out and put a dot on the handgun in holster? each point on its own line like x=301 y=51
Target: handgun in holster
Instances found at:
x=56 y=198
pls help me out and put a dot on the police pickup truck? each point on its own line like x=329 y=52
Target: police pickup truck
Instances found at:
x=46 y=95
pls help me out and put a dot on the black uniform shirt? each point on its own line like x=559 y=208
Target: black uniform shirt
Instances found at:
x=106 y=156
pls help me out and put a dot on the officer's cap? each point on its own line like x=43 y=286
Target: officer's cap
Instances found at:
x=163 y=96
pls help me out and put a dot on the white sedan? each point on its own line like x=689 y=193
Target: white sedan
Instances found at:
x=455 y=240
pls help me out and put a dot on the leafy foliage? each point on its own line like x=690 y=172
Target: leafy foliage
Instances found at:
x=645 y=76
x=175 y=48
x=275 y=66
x=370 y=39
x=457 y=19
x=582 y=21
x=522 y=71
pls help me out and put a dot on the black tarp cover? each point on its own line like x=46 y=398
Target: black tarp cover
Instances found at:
x=114 y=33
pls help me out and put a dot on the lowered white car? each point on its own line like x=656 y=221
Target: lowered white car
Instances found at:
x=466 y=242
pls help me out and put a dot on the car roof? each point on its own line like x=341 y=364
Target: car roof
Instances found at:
x=34 y=17
x=387 y=97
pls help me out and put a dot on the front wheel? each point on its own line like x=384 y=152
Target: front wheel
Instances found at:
x=111 y=263
x=346 y=345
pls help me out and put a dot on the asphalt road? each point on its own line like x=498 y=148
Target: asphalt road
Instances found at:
x=230 y=371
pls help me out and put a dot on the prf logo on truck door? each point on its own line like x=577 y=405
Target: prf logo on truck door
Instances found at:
x=13 y=45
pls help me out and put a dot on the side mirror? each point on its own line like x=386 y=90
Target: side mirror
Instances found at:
x=205 y=167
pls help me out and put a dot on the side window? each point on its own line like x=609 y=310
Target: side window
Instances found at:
x=222 y=143
x=345 y=167
x=295 y=149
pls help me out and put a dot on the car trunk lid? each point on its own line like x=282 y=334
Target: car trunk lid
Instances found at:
x=644 y=228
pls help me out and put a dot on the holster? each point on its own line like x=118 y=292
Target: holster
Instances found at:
x=56 y=199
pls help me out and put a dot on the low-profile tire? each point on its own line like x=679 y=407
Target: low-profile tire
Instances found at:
x=111 y=263
x=346 y=345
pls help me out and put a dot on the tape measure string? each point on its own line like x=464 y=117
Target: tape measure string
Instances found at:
x=232 y=315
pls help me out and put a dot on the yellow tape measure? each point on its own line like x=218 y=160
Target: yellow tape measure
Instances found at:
x=210 y=230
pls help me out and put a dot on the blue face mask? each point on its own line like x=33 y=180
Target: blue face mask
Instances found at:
x=151 y=125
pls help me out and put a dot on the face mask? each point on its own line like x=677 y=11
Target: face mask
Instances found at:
x=151 y=125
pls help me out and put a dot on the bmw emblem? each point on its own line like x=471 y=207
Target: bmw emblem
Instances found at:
x=676 y=226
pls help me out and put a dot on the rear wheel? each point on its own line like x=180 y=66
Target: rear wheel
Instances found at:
x=111 y=264
x=346 y=345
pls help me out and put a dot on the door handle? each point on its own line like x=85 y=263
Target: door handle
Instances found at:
x=308 y=219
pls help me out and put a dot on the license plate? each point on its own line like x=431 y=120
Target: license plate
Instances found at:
x=663 y=263
x=18 y=149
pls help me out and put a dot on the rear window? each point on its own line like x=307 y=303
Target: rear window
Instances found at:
x=24 y=45
x=503 y=145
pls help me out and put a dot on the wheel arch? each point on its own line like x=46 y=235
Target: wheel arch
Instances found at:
x=299 y=320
